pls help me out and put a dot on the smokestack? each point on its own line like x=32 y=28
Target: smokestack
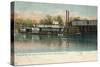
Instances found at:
x=67 y=16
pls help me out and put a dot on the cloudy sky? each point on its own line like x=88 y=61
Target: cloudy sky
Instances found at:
x=53 y=9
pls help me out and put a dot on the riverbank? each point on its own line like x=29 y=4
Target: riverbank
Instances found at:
x=54 y=57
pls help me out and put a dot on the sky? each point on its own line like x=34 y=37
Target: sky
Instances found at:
x=50 y=8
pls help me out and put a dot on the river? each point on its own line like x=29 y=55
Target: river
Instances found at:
x=29 y=43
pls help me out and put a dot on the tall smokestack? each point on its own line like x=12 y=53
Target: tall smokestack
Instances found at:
x=67 y=16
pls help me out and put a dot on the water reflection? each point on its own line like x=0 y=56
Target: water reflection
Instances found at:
x=48 y=43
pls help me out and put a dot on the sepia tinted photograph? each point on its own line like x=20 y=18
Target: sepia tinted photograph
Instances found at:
x=48 y=33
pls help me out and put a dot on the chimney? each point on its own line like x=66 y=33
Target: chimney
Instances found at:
x=67 y=16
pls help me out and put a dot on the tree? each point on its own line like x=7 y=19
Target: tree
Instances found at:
x=77 y=18
x=48 y=19
x=59 y=19
x=42 y=21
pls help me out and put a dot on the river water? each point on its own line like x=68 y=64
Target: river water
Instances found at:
x=29 y=43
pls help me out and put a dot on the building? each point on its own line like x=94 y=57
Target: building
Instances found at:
x=85 y=25
x=84 y=22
